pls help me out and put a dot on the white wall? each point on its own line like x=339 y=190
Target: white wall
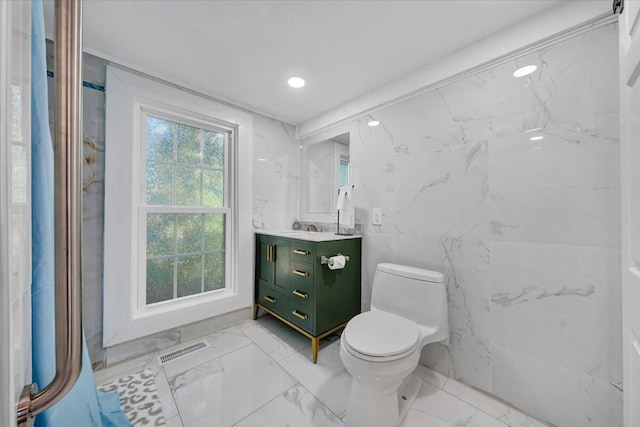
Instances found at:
x=275 y=204
x=525 y=232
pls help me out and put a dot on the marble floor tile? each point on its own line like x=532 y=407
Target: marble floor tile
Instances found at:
x=454 y=388
x=174 y=422
x=227 y=389
x=434 y=408
x=492 y=406
x=169 y=408
x=220 y=343
x=295 y=407
x=328 y=380
x=245 y=379
x=134 y=365
x=431 y=376
x=274 y=337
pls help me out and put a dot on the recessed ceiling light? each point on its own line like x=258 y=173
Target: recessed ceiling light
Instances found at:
x=532 y=130
x=524 y=71
x=296 y=82
x=536 y=138
x=373 y=123
x=262 y=160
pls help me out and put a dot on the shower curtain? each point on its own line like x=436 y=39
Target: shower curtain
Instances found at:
x=84 y=405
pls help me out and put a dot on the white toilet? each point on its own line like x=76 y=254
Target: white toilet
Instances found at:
x=381 y=348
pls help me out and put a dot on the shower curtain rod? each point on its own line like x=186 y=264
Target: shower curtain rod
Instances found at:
x=68 y=213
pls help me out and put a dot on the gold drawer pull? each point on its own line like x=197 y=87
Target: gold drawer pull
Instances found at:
x=300 y=273
x=300 y=315
x=272 y=300
x=299 y=252
x=300 y=294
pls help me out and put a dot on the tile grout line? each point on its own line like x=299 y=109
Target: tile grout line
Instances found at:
x=509 y=407
x=240 y=348
x=488 y=395
x=173 y=399
x=310 y=392
x=265 y=404
x=468 y=403
x=491 y=416
x=322 y=403
x=209 y=361
x=278 y=339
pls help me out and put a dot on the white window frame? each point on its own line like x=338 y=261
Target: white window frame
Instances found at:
x=129 y=98
x=143 y=209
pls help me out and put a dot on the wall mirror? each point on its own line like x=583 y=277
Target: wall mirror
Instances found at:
x=324 y=166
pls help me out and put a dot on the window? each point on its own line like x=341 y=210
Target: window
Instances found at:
x=185 y=206
x=178 y=235
x=344 y=170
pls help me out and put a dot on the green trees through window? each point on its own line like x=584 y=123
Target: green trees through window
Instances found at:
x=184 y=184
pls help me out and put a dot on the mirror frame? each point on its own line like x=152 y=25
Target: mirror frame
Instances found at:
x=303 y=214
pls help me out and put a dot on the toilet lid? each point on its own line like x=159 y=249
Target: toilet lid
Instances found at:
x=381 y=334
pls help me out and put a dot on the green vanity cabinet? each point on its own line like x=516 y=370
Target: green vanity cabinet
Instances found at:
x=294 y=285
x=273 y=274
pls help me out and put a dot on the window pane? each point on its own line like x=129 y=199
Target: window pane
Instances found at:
x=159 y=234
x=213 y=271
x=214 y=232
x=344 y=173
x=159 y=139
x=189 y=275
x=189 y=233
x=159 y=183
x=213 y=188
x=213 y=149
x=185 y=166
x=159 y=280
x=187 y=186
x=189 y=143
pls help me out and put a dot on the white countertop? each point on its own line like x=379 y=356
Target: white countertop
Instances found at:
x=311 y=236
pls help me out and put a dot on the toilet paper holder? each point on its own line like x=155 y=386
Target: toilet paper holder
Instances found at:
x=325 y=260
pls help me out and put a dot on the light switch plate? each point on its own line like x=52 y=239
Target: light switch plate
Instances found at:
x=376 y=216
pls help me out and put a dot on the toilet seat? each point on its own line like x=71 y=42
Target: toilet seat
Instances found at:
x=380 y=336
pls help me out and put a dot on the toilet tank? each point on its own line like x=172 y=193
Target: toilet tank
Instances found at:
x=413 y=293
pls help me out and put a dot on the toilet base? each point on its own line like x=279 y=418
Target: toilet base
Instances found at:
x=407 y=395
x=372 y=406
x=378 y=407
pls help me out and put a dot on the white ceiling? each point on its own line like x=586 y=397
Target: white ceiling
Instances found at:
x=244 y=51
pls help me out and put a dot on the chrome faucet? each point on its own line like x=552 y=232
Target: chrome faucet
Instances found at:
x=310 y=227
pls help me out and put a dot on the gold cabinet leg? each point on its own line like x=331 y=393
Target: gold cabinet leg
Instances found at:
x=315 y=343
x=255 y=311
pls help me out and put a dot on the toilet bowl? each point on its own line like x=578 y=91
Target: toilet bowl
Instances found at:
x=381 y=348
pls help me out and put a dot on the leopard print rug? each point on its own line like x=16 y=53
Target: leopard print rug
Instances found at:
x=138 y=398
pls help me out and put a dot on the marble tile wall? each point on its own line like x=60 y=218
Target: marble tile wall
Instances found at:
x=276 y=173
x=525 y=232
x=275 y=205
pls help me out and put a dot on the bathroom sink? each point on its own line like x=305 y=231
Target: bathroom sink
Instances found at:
x=313 y=236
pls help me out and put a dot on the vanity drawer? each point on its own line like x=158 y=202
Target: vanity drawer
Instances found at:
x=302 y=251
x=301 y=273
x=302 y=292
x=274 y=301
x=301 y=315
